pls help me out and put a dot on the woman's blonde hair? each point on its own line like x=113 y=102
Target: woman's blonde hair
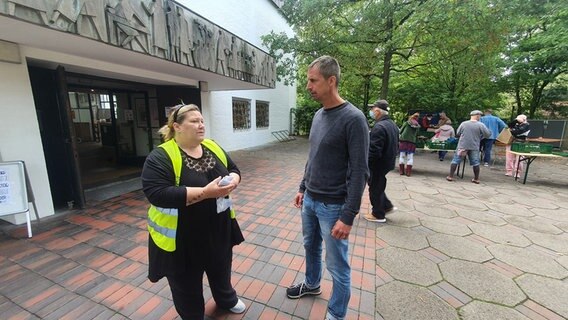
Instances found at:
x=176 y=115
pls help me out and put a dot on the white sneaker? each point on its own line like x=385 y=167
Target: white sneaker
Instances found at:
x=486 y=164
x=370 y=217
x=391 y=210
x=240 y=307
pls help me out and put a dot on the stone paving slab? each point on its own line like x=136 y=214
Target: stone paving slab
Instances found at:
x=94 y=260
x=478 y=310
x=550 y=293
x=481 y=282
x=397 y=300
x=460 y=248
x=402 y=264
x=502 y=235
x=529 y=260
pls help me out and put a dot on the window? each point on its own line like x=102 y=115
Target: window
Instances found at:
x=105 y=101
x=241 y=114
x=262 y=118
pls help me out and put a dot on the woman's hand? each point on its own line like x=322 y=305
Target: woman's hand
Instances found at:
x=236 y=179
x=213 y=190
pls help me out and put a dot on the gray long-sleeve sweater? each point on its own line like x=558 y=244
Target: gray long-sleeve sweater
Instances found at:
x=471 y=133
x=336 y=170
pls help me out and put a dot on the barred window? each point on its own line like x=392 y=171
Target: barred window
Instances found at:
x=262 y=118
x=241 y=114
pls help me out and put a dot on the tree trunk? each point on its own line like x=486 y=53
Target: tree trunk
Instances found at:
x=367 y=86
x=389 y=29
x=517 y=98
x=386 y=75
x=536 y=97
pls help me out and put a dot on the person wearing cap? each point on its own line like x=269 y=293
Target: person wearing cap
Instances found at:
x=520 y=130
x=495 y=124
x=407 y=145
x=383 y=148
x=470 y=133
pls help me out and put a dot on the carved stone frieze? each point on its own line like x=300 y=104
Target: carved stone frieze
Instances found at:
x=161 y=28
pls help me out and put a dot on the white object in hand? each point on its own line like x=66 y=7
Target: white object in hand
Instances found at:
x=225 y=181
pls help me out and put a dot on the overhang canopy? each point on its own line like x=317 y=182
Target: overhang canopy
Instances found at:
x=141 y=35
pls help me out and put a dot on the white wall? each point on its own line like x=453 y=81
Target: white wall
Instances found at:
x=20 y=136
x=249 y=20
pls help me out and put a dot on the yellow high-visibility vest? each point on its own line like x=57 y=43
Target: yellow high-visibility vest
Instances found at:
x=162 y=222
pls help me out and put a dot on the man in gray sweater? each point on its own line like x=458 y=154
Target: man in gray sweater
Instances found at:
x=330 y=192
x=470 y=134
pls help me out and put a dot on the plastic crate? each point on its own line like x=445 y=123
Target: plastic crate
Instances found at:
x=531 y=147
x=560 y=153
x=441 y=145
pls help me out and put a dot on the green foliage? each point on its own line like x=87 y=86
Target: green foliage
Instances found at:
x=433 y=55
x=537 y=53
x=303 y=117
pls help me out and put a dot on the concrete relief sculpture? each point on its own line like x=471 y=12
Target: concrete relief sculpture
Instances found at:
x=156 y=22
x=30 y=10
x=223 y=48
x=127 y=27
x=187 y=43
x=232 y=57
x=204 y=41
x=161 y=28
x=173 y=22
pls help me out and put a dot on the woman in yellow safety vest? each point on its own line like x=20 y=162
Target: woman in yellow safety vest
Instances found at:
x=191 y=225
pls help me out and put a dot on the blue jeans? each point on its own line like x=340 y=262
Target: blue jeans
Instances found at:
x=473 y=156
x=487 y=145
x=318 y=219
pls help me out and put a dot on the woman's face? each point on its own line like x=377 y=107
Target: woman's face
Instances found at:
x=192 y=126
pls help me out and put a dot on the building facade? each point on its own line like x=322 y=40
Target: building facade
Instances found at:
x=86 y=84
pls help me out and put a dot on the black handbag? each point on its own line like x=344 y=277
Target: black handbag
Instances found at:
x=236 y=233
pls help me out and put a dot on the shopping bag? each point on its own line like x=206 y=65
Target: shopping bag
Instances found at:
x=505 y=137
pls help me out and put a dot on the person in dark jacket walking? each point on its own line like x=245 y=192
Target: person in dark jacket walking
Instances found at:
x=383 y=148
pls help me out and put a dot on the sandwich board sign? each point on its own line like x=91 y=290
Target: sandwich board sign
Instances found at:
x=14 y=191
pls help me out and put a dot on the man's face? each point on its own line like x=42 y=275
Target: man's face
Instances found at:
x=317 y=85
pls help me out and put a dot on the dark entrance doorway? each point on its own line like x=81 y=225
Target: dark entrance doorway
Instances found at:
x=55 y=137
x=104 y=123
x=97 y=132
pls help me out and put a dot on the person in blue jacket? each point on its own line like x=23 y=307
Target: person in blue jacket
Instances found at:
x=495 y=125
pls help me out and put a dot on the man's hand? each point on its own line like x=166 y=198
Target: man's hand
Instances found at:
x=340 y=230
x=298 y=200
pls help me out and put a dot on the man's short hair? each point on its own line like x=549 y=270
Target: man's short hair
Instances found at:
x=488 y=110
x=327 y=66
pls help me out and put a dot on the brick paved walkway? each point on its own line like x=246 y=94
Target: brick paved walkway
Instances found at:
x=92 y=264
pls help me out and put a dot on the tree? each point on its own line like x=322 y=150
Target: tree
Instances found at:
x=537 y=53
x=369 y=38
x=457 y=63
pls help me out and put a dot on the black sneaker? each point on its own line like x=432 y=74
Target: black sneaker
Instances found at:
x=299 y=290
